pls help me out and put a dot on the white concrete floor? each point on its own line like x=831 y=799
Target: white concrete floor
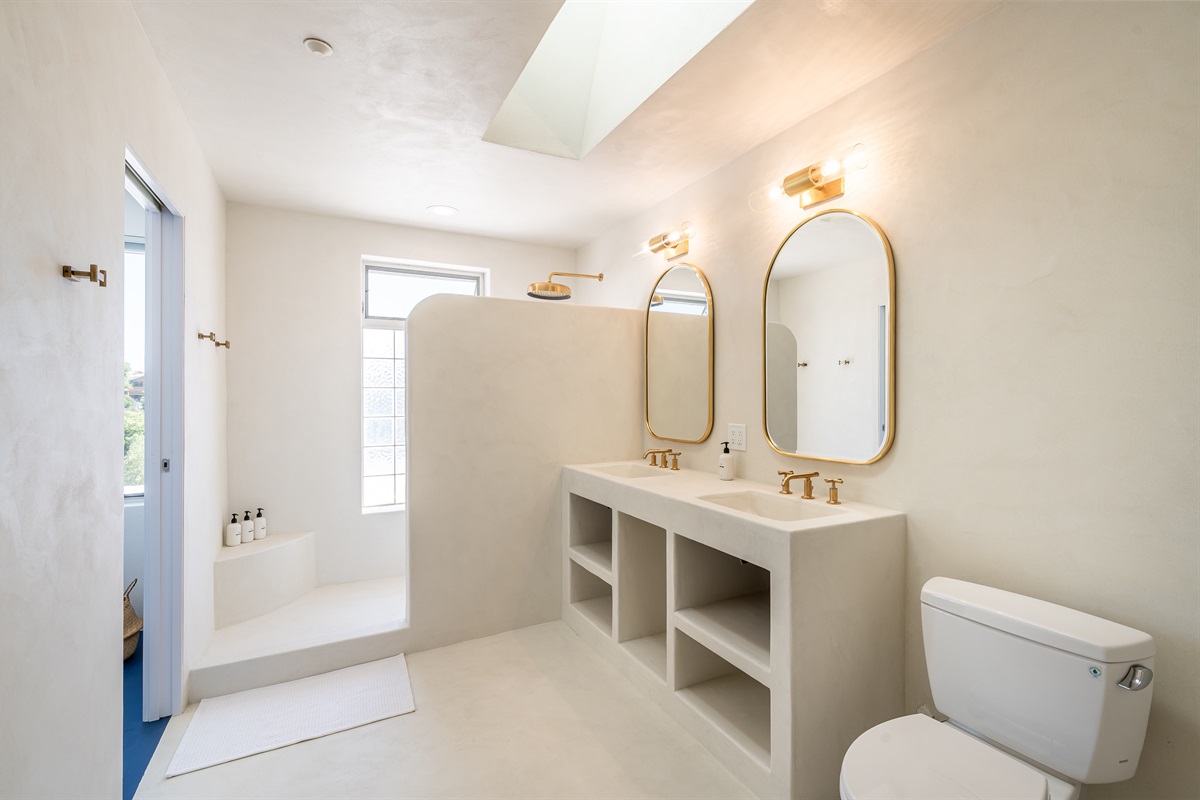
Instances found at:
x=529 y=713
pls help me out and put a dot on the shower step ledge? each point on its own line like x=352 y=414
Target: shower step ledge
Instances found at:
x=330 y=627
x=259 y=577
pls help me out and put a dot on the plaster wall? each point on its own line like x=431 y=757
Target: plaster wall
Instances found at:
x=295 y=322
x=1048 y=336
x=79 y=84
x=502 y=394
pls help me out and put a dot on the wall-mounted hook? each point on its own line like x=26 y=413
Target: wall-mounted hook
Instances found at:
x=95 y=274
x=844 y=362
x=213 y=338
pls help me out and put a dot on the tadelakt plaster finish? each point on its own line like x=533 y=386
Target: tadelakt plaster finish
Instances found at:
x=79 y=84
x=295 y=405
x=503 y=393
x=1048 y=337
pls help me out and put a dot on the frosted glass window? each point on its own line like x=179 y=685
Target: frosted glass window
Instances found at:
x=393 y=293
x=390 y=293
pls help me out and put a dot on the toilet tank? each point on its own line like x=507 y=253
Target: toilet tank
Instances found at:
x=1037 y=678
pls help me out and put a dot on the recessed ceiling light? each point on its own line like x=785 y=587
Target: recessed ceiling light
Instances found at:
x=318 y=47
x=442 y=211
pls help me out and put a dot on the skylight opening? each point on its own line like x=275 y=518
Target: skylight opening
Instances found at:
x=599 y=61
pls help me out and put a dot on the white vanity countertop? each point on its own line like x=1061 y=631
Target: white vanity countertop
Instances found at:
x=687 y=487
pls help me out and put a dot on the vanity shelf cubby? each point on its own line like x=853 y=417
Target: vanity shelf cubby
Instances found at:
x=736 y=704
x=642 y=589
x=773 y=642
x=724 y=603
x=592 y=597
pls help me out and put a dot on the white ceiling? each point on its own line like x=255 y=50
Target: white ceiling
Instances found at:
x=393 y=121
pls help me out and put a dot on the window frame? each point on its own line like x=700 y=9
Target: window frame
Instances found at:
x=480 y=275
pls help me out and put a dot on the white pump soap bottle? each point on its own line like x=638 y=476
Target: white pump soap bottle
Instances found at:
x=725 y=464
x=233 y=533
x=260 y=526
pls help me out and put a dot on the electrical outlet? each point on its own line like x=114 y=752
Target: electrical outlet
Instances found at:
x=737 y=437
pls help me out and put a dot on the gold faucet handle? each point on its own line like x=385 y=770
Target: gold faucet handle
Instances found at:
x=674 y=460
x=785 y=485
x=808 y=485
x=833 y=491
x=654 y=456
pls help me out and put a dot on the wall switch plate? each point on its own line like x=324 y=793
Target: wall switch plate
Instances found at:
x=737 y=437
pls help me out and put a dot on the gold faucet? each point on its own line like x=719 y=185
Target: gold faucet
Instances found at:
x=833 y=498
x=674 y=460
x=788 y=477
x=654 y=454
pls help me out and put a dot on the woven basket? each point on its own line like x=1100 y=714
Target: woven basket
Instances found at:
x=133 y=623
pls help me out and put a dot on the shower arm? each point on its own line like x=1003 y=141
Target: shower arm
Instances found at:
x=599 y=277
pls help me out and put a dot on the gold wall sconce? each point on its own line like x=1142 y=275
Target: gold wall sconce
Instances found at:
x=95 y=274
x=671 y=244
x=213 y=338
x=816 y=183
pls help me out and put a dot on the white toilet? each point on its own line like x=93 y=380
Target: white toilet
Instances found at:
x=1040 y=700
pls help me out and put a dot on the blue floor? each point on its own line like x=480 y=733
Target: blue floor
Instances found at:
x=140 y=737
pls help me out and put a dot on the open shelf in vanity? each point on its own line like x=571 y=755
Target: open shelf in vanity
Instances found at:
x=762 y=639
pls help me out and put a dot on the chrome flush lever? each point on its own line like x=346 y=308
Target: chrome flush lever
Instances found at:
x=1137 y=678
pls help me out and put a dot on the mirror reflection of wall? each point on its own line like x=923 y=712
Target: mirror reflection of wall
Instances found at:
x=679 y=356
x=827 y=341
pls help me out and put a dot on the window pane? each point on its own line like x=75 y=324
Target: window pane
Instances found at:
x=378 y=343
x=401 y=464
x=400 y=430
x=377 y=432
x=379 y=461
x=401 y=488
x=379 y=491
x=400 y=402
x=135 y=368
x=392 y=294
x=379 y=402
x=378 y=372
x=399 y=371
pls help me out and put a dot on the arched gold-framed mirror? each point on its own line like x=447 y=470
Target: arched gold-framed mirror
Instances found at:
x=679 y=356
x=829 y=341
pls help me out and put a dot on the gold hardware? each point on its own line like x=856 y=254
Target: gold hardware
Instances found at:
x=213 y=337
x=671 y=244
x=674 y=460
x=654 y=454
x=843 y=362
x=801 y=363
x=789 y=476
x=646 y=357
x=833 y=491
x=95 y=274
x=890 y=424
x=816 y=183
x=549 y=290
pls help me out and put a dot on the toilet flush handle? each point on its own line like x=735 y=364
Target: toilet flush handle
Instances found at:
x=1137 y=678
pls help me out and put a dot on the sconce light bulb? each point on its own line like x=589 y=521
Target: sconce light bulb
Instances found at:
x=830 y=169
x=762 y=198
x=644 y=250
x=673 y=238
x=687 y=230
x=857 y=157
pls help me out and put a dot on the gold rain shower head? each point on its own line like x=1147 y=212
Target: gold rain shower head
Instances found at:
x=557 y=291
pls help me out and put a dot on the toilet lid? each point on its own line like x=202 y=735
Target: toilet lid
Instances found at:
x=919 y=757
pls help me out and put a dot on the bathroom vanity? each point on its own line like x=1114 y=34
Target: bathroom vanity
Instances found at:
x=768 y=626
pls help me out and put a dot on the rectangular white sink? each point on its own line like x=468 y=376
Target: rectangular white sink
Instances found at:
x=631 y=471
x=773 y=506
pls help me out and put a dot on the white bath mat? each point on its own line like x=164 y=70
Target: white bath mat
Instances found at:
x=257 y=720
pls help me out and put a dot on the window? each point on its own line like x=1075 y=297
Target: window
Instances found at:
x=390 y=292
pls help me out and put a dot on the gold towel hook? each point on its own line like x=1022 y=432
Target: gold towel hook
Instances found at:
x=213 y=337
x=95 y=274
